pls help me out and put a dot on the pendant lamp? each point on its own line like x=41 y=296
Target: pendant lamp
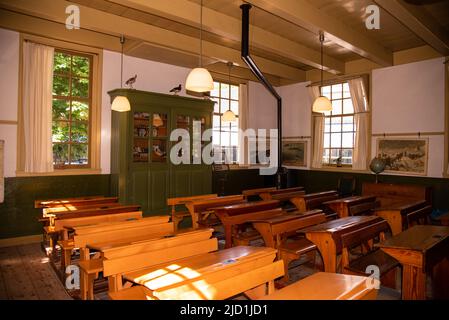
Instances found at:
x=199 y=79
x=322 y=104
x=229 y=116
x=121 y=103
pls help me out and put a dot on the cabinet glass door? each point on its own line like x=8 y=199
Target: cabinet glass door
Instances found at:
x=159 y=126
x=141 y=134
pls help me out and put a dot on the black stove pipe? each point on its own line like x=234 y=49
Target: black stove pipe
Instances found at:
x=259 y=75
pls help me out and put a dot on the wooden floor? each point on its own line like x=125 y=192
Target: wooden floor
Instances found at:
x=26 y=274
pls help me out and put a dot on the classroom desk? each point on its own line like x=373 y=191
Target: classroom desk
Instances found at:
x=421 y=250
x=396 y=211
x=73 y=201
x=217 y=275
x=341 y=206
x=327 y=286
x=327 y=236
x=233 y=215
x=197 y=207
x=256 y=192
x=273 y=228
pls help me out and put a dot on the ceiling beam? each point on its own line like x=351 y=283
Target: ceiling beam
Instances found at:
x=188 y=12
x=95 y=20
x=419 y=22
x=304 y=14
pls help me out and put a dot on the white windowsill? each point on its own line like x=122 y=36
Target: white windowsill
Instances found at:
x=59 y=172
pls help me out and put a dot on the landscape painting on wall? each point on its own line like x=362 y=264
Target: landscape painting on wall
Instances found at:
x=404 y=155
x=294 y=153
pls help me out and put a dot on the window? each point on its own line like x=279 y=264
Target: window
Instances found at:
x=72 y=100
x=339 y=127
x=225 y=134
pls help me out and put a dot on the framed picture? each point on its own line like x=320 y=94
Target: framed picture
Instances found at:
x=404 y=155
x=294 y=153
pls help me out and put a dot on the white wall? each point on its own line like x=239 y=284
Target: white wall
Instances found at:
x=262 y=107
x=151 y=76
x=297 y=113
x=405 y=99
x=410 y=98
x=9 y=80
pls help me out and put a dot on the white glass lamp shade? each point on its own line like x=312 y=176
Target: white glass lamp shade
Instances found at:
x=228 y=116
x=199 y=80
x=322 y=104
x=121 y=104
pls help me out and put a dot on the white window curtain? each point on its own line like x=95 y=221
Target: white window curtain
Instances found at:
x=318 y=131
x=2 y=176
x=37 y=107
x=361 y=118
x=243 y=124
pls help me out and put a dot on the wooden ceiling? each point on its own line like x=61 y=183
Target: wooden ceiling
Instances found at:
x=283 y=34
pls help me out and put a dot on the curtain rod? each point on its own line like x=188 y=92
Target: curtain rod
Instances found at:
x=338 y=79
x=418 y=134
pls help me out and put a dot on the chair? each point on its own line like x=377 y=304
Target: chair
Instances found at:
x=346 y=186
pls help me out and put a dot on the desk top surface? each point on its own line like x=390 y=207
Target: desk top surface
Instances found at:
x=350 y=199
x=401 y=205
x=286 y=217
x=178 y=271
x=103 y=246
x=418 y=238
x=333 y=287
x=341 y=224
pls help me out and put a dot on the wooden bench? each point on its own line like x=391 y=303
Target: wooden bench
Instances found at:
x=235 y=215
x=81 y=201
x=153 y=247
x=419 y=217
x=178 y=216
x=276 y=232
x=364 y=238
x=201 y=209
x=114 y=267
x=327 y=286
x=84 y=227
x=366 y=208
x=53 y=217
x=392 y=193
x=343 y=206
x=268 y=195
x=213 y=276
x=256 y=192
x=312 y=201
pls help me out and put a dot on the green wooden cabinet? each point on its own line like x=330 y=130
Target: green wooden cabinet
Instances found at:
x=141 y=169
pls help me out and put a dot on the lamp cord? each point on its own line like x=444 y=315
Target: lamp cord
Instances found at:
x=322 y=67
x=122 y=41
x=201 y=34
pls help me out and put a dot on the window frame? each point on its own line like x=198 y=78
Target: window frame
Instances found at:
x=95 y=108
x=70 y=99
x=220 y=114
x=329 y=164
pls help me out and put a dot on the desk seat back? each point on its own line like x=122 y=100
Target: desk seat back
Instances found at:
x=303 y=221
x=362 y=208
x=183 y=200
x=420 y=216
x=121 y=225
x=95 y=212
x=363 y=235
x=82 y=240
x=172 y=240
x=117 y=266
x=70 y=223
x=82 y=201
